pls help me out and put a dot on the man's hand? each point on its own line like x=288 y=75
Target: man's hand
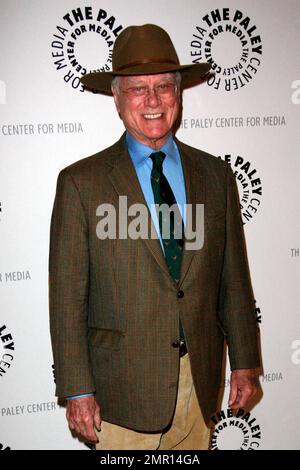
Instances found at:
x=83 y=415
x=243 y=386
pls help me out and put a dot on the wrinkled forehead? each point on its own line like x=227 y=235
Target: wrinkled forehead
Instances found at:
x=147 y=79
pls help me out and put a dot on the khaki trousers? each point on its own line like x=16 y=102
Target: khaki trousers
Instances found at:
x=187 y=431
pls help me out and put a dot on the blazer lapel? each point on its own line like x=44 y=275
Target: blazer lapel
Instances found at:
x=126 y=183
x=195 y=194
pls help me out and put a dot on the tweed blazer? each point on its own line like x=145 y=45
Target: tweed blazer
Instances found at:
x=115 y=309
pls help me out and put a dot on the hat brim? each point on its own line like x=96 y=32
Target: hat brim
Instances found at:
x=191 y=74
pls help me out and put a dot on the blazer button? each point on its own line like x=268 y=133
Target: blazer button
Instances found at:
x=176 y=344
x=180 y=294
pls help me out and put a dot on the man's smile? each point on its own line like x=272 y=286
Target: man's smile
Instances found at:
x=153 y=116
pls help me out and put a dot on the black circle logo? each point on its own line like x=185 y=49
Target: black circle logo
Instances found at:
x=235 y=432
x=7 y=348
x=229 y=40
x=83 y=43
x=249 y=185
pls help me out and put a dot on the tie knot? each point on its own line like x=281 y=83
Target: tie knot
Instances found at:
x=157 y=158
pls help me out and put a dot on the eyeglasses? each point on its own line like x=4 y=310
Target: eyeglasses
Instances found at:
x=165 y=90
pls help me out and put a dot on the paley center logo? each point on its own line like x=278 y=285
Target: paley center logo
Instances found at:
x=7 y=348
x=249 y=185
x=83 y=43
x=229 y=40
x=238 y=431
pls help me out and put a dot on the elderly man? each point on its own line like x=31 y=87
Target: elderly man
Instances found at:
x=138 y=322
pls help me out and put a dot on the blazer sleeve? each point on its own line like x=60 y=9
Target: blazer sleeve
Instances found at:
x=68 y=290
x=237 y=307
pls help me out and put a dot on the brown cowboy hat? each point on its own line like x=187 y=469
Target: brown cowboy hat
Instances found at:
x=144 y=50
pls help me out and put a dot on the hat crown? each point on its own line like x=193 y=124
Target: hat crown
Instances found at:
x=144 y=50
x=144 y=44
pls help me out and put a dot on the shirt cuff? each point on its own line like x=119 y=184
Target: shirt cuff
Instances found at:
x=79 y=396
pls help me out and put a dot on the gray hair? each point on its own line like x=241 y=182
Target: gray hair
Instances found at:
x=115 y=83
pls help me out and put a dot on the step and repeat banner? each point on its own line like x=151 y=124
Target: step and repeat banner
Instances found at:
x=247 y=114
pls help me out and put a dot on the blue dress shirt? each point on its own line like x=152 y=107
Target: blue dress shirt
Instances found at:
x=172 y=169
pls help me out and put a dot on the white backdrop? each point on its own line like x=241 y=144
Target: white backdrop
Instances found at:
x=249 y=115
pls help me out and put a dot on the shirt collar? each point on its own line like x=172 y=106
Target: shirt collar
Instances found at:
x=139 y=152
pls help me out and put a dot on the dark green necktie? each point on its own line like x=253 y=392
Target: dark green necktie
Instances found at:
x=163 y=194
